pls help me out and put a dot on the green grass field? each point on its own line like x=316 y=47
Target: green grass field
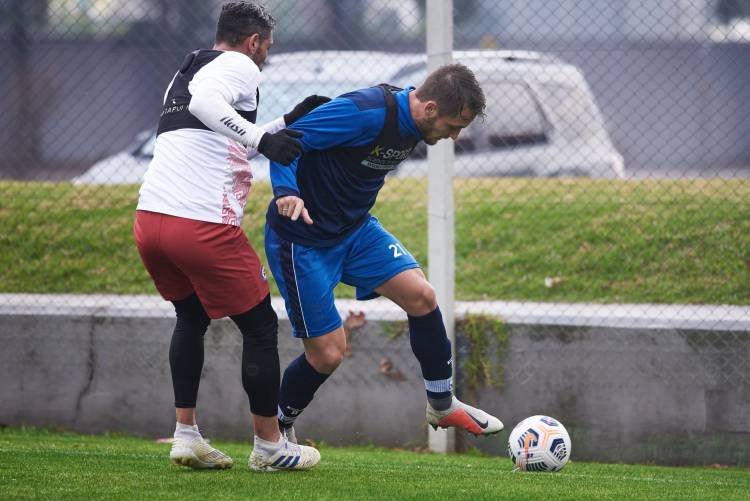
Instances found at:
x=682 y=241
x=54 y=465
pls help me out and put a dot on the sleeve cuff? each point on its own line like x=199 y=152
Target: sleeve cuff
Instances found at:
x=284 y=191
x=274 y=125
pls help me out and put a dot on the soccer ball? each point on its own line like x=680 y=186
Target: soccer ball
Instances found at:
x=539 y=443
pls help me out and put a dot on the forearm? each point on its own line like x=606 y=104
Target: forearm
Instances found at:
x=218 y=115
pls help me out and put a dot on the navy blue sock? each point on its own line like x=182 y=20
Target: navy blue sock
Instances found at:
x=298 y=387
x=431 y=345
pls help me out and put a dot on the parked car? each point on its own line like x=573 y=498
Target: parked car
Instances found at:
x=125 y=167
x=541 y=116
x=541 y=120
x=287 y=78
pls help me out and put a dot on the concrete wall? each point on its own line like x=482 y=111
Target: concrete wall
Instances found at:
x=670 y=396
x=660 y=391
x=94 y=374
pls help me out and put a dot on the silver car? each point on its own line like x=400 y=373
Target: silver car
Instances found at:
x=541 y=120
x=541 y=116
x=287 y=78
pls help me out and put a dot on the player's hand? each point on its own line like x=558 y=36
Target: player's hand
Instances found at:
x=282 y=146
x=293 y=207
x=304 y=107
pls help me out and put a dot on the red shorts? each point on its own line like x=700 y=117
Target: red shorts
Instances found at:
x=216 y=261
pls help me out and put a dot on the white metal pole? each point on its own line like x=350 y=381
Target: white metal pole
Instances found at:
x=441 y=252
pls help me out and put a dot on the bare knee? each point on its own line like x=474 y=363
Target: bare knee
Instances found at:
x=326 y=354
x=422 y=300
x=326 y=361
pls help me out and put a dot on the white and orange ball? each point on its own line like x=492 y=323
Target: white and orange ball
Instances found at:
x=539 y=443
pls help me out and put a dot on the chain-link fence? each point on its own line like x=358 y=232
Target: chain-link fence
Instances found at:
x=607 y=185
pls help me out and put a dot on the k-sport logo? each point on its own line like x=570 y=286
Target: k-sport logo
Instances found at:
x=390 y=153
x=232 y=126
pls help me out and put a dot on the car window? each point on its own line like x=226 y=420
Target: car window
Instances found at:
x=279 y=97
x=285 y=83
x=573 y=113
x=513 y=117
x=412 y=70
x=515 y=121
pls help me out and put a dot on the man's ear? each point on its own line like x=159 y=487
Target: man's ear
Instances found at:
x=252 y=43
x=430 y=109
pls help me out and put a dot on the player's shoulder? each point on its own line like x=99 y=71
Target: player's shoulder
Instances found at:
x=366 y=99
x=234 y=61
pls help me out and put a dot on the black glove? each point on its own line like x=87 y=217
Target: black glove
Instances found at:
x=282 y=146
x=304 y=107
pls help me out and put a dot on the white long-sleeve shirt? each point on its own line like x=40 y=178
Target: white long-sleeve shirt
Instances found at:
x=206 y=174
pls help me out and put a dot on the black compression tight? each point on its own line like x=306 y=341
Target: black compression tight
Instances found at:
x=260 y=357
x=186 y=350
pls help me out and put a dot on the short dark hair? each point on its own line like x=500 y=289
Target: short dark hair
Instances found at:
x=239 y=20
x=454 y=88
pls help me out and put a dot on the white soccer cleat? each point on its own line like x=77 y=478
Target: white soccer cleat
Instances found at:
x=466 y=417
x=290 y=456
x=198 y=454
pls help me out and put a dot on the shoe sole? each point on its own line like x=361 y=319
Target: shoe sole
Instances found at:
x=197 y=464
x=435 y=427
x=267 y=468
x=271 y=469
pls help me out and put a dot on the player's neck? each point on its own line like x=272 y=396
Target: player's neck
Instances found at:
x=225 y=47
x=415 y=106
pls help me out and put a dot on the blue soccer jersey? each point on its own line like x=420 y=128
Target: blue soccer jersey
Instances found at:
x=350 y=144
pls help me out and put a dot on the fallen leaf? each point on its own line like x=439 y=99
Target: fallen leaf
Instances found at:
x=550 y=282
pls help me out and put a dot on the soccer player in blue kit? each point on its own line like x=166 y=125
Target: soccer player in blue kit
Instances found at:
x=319 y=232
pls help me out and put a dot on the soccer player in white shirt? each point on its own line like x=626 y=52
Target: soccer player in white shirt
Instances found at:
x=187 y=229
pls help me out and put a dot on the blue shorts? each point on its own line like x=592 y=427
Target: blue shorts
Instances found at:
x=307 y=276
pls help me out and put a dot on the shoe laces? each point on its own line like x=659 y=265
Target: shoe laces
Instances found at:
x=207 y=450
x=291 y=446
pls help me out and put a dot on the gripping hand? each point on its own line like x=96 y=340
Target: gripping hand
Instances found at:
x=282 y=146
x=304 y=107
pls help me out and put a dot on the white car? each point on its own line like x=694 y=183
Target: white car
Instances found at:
x=126 y=167
x=541 y=120
x=541 y=117
x=287 y=78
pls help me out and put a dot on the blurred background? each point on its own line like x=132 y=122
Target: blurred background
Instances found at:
x=602 y=224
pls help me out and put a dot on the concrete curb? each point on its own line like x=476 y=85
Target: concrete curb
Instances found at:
x=651 y=316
